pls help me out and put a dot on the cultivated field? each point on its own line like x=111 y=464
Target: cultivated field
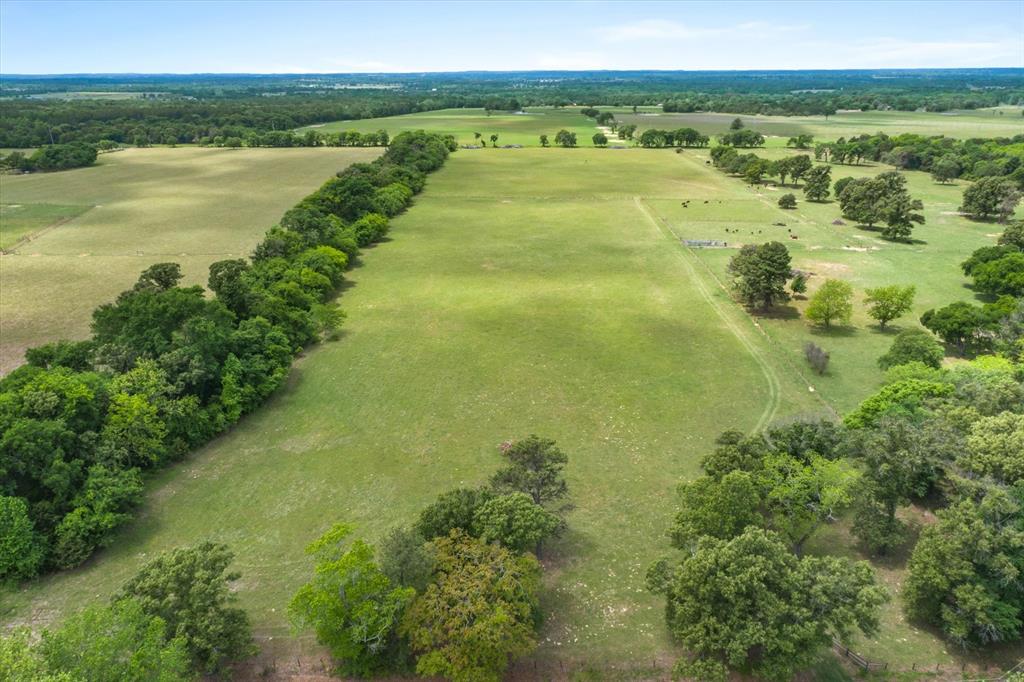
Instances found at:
x=525 y=128
x=526 y=291
x=75 y=239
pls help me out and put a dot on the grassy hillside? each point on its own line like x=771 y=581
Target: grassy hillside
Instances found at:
x=76 y=239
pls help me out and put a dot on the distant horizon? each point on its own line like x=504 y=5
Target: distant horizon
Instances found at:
x=72 y=74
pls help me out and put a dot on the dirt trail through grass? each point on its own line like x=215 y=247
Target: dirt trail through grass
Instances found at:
x=728 y=317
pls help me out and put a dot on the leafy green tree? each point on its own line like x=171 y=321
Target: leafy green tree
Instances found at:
x=883 y=198
x=913 y=345
x=21 y=548
x=737 y=124
x=101 y=505
x=453 y=510
x=802 y=141
x=995 y=447
x=958 y=324
x=406 y=558
x=22 y=662
x=719 y=509
x=962 y=572
x=735 y=452
x=899 y=398
x=116 y=642
x=544 y=141
x=189 y=589
x=832 y=302
x=760 y=273
x=988 y=197
x=1013 y=235
x=899 y=465
x=816 y=187
x=494 y=140
x=535 y=468
x=478 y=613
x=515 y=521
x=801 y=494
x=890 y=302
x=159 y=277
x=945 y=169
x=564 y=138
x=800 y=166
x=600 y=139
x=134 y=435
x=1001 y=277
x=351 y=604
x=787 y=201
x=749 y=604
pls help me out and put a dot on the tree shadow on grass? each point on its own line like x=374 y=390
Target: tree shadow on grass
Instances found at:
x=834 y=332
x=779 y=312
x=909 y=241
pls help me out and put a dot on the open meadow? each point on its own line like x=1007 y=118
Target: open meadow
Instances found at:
x=538 y=291
x=527 y=291
x=75 y=239
x=526 y=127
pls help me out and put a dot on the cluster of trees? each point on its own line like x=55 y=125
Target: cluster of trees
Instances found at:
x=741 y=137
x=567 y=139
x=455 y=594
x=993 y=197
x=683 y=137
x=190 y=120
x=741 y=595
x=754 y=169
x=998 y=324
x=51 y=157
x=168 y=367
x=954 y=435
x=945 y=158
x=174 y=620
x=881 y=199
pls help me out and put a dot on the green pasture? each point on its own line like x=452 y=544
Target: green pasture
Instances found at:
x=997 y=122
x=931 y=262
x=20 y=221
x=75 y=239
x=526 y=291
x=526 y=128
x=539 y=291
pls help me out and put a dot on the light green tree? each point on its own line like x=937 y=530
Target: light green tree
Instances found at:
x=831 y=303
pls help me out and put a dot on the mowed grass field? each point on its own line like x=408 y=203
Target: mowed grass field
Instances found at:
x=75 y=239
x=525 y=128
x=527 y=291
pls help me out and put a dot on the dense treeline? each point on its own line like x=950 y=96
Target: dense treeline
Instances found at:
x=453 y=595
x=167 y=368
x=52 y=157
x=185 y=109
x=945 y=157
x=31 y=123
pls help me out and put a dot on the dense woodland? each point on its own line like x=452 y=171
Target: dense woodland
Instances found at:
x=186 y=109
x=167 y=367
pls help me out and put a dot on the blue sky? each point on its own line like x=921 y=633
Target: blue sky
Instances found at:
x=282 y=37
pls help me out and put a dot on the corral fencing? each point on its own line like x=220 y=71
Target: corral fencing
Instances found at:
x=705 y=243
x=858 y=660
